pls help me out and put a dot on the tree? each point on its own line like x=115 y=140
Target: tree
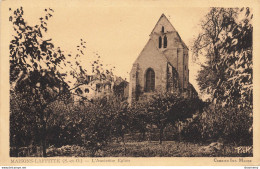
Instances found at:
x=171 y=108
x=140 y=118
x=35 y=72
x=36 y=93
x=207 y=45
x=226 y=42
x=34 y=77
x=158 y=111
x=120 y=118
x=41 y=89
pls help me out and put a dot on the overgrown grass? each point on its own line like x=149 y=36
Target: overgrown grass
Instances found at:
x=166 y=149
x=151 y=149
x=146 y=149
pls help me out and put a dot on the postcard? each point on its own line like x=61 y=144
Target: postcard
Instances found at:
x=129 y=83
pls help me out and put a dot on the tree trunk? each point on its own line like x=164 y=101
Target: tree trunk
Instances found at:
x=149 y=133
x=43 y=140
x=44 y=144
x=123 y=139
x=179 y=131
x=16 y=151
x=161 y=135
x=143 y=136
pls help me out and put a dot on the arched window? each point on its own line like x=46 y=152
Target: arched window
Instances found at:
x=150 y=80
x=162 y=29
x=165 y=42
x=160 y=42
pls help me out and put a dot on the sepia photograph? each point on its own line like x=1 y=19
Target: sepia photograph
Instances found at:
x=129 y=79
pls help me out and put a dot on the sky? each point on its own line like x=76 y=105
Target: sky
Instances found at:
x=116 y=31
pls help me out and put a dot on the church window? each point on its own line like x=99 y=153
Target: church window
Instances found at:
x=165 y=42
x=185 y=67
x=160 y=42
x=150 y=80
x=162 y=29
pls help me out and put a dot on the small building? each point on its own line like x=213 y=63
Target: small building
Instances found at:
x=92 y=88
x=162 y=65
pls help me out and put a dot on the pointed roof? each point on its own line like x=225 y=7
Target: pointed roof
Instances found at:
x=156 y=47
x=163 y=17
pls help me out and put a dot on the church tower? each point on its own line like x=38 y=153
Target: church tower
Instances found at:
x=171 y=45
x=163 y=62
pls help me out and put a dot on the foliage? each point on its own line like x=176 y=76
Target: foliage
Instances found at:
x=90 y=124
x=163 y=109
x=139 y=118
x=44 y=111
x=37 y=83
x=29 y=51
x=226 y=41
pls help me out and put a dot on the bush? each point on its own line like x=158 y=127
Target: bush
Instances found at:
x=228 y=123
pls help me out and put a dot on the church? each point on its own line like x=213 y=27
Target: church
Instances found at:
x=162 y=65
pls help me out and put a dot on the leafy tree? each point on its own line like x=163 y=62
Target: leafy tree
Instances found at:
x=35 y=74
x=140 y=118
x=35 y=98
x=97 y=129
x=42 y=108
x=207 y=45
x=121 y=119
x=111 y=120
x=226 y=43
x=171 y=108
x=158 y=111
x=33 y=70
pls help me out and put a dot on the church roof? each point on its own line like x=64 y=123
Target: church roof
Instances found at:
x=156 y=47
x=171 y=27
x=163 y=16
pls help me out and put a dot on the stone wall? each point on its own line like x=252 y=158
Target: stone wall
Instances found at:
x=150 y=57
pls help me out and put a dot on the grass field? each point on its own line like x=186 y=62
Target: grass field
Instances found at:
x=144 y=149
x=166 y=149
x=151 y=149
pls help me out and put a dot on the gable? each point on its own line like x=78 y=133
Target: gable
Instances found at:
x=169 y=30
x=163 y=21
